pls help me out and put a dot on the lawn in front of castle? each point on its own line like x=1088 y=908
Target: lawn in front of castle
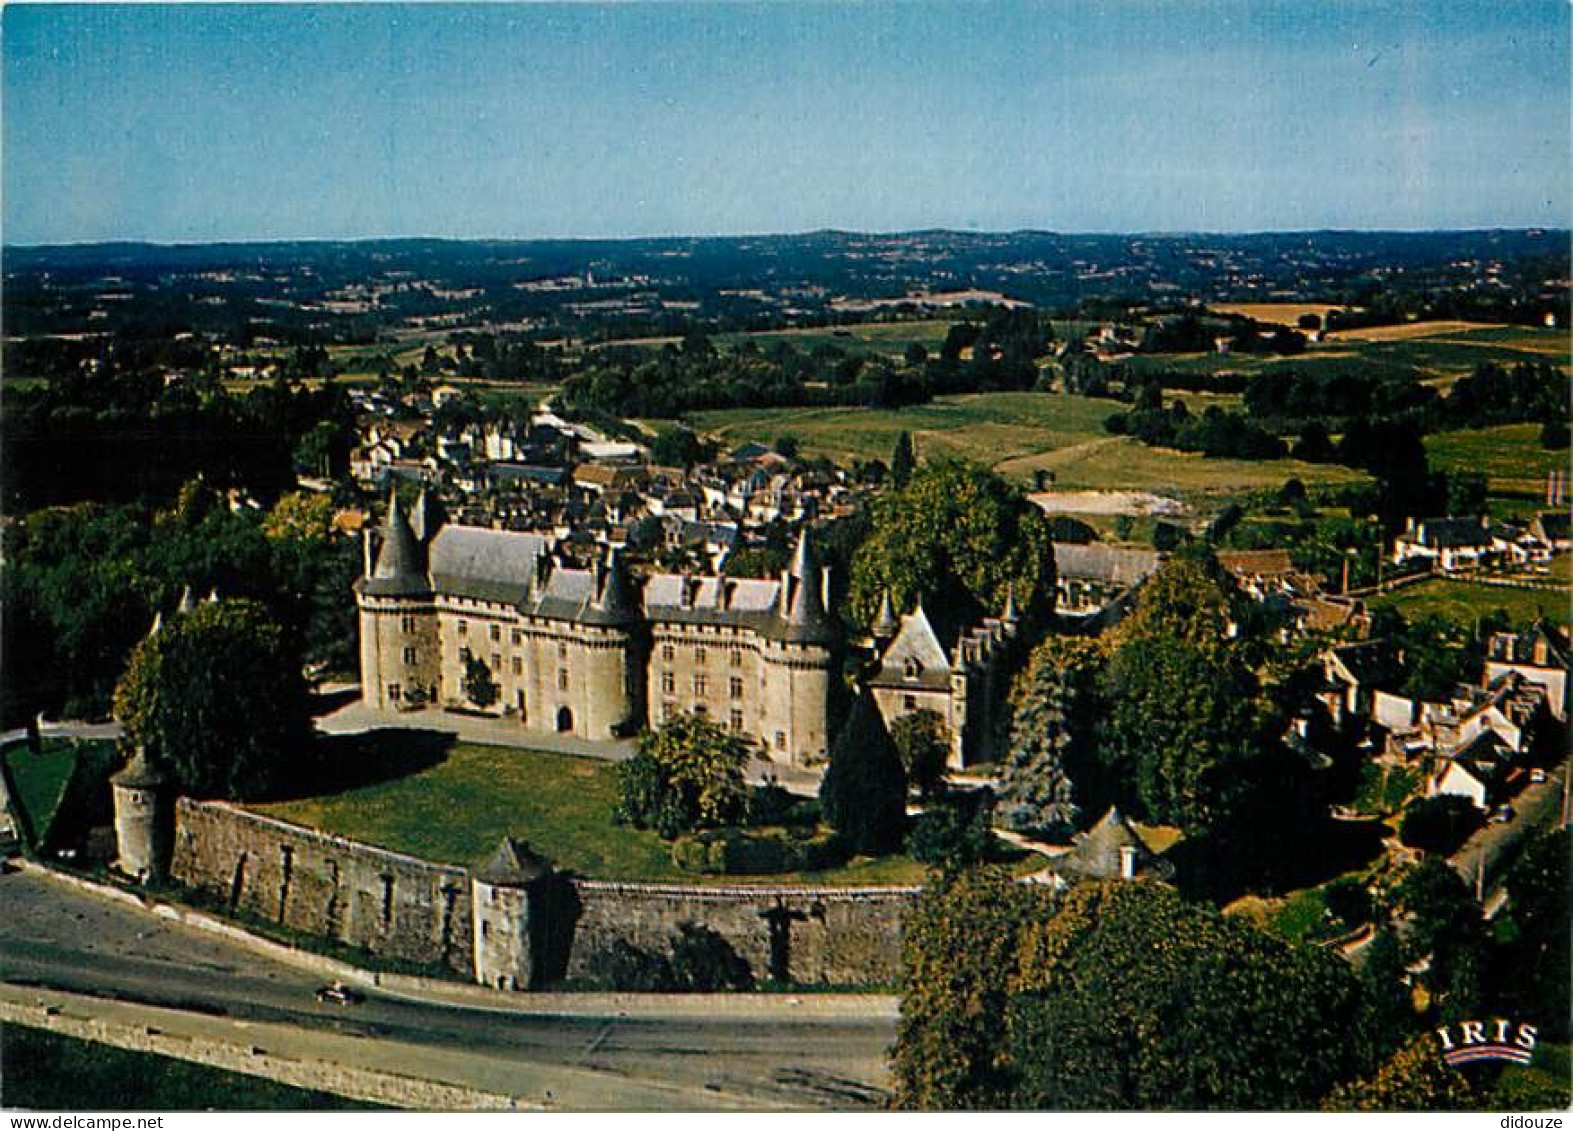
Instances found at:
x=454 y=805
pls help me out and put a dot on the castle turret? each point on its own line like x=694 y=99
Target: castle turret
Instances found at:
x=427 y=517
x=799 y=663
x=399 y=568
x=398 y=636
x=807 y=621
x=187 y=602
x=611 y=654
x=142 y=832
x=885 y=623
x=506 y=902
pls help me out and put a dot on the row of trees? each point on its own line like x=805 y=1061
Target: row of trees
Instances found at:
x=113 y=430
x=1169 y=717
x=1126 y=996
x=82 y=584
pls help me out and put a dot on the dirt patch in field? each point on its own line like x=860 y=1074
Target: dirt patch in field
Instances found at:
x=1411 y=330
x=1134 y=503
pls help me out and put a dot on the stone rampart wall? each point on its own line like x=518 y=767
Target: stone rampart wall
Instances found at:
x=399 y=907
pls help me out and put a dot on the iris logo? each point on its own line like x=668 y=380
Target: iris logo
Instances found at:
x=1497 y=1039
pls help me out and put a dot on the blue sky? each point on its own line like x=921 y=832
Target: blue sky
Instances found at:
x=179 y=123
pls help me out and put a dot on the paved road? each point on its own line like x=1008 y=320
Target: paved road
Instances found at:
x=1496 y=845
x=54 y=937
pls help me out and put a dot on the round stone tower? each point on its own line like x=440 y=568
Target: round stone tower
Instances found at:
x=612 y=651
x=142 y=818
x=505 y=906
x=800 y=663
x=398 y=623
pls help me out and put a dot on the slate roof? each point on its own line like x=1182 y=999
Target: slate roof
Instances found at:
x=514 y=864
x=140 y=772
x=920 y=645
x=1449 y=533
x=742 y=602
x=487 y=565
x=1095 y=562
x=1097 y=852
x=399 y=569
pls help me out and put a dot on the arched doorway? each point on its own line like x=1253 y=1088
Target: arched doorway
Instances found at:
x=564 y=720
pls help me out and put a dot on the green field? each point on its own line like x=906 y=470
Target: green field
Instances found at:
x=1509 y=455
x=1465 y=601
x=458 y=809
x=49 y=1072
x=1018 y=434
x=41 y=781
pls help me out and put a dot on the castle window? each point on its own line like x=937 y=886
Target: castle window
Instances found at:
x=668 y=683
x=912 y=669
x=668 y=710
x=735 y=721
x=780 y=740
x=701 y=685
x=463 y=628
x=496 y=664
x=562 y=679
x=409 y=655
x=393 y=692
x=562 y=650
x=518 y=638
x=408 y=622
x=699 y=657
x=735 y=687
x=909 y=703
x=668 y=653
x=518 y=666
x=496 y=632
x=737 y=657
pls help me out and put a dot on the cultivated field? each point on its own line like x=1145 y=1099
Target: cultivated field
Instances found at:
x=1509 y=455
x=1277 y=313
x=1464 y=601
x=1019 y=434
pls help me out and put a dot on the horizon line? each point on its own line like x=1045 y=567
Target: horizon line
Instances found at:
x=938 y=229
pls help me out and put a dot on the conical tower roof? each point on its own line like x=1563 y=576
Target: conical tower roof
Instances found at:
x=187 y=602
x=427 y=517
x=140 y=772
x=804 y=561
x=1098 y=852
x=399 y=567
x=885 y=623
x=1010 y=613
x=514 y=864
x=616 y=603
x=807 y=622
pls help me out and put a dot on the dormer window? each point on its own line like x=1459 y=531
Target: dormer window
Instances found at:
x=912 y=668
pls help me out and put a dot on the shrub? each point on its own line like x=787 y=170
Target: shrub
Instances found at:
x=1438 y=824
x=1347 y=898
x=954 y=834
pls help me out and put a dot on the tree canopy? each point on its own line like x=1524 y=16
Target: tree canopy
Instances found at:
x=1186 y=722
x=863 y=794
x=923 y=743
x=217 y=695
x=955 y=529
x=1121 y=995
x=1052 y=767
x=686 y=775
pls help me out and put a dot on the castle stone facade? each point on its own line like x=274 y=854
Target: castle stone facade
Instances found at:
x=592 y=652
x=928 y=661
